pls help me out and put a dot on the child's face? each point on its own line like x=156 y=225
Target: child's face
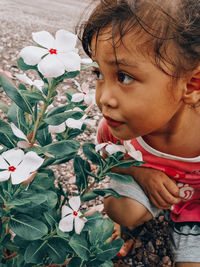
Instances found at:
x=135 y=97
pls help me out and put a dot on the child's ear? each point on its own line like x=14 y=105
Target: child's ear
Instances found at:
x=192 y=88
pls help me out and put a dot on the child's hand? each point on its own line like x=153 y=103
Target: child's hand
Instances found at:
x=161 y=190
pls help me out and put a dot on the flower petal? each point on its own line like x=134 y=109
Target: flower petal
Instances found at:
x=136 y=155
x=66 y=210
x=1 y=147
x=23 y=144
x=65 y=41
x=74 y=124
x=18 y=176
x=100 y=146
x=3 y=163
x=77 y=97
x=4 y=175
x=44 y=39
x=51 y=67
x=79 y=224
x=17 y=132
x=31 y=162
x=86 y=60
x=75 y=203
x=13 y=156
x=71 y=61
x=66 y=223
x=38 y=84
x=57 y=128
x=90 y=98
x=90 y=123
x=32 y=54
x=111 y=149
x=24 y=78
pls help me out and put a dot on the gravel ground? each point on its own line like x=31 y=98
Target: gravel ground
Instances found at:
x=19 y=18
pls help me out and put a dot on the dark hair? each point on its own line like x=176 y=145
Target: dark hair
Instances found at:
x=166 y=23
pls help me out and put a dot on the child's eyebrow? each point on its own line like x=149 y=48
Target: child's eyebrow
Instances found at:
x=122 y=62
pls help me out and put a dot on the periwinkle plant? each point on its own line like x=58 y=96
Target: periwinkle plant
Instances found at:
x=42 y=223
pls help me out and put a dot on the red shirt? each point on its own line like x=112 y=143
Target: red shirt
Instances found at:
x=185 y=171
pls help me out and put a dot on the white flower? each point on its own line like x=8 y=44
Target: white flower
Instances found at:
x=85 y=94
x=24 y=78
x=17 y=165
x=1 y=147
x=132 y=152
x=55 y=56
x=127 y=148
x=77 y=124
x=17 y=132
x=86 y=60
x=71 y=123
x=110 y=148
x=71 y=217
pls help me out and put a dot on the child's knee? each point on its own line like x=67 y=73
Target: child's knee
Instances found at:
x=126 y=211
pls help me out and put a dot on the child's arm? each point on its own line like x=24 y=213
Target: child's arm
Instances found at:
x=161 y=190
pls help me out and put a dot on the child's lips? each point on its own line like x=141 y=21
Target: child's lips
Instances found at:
x=113 y=123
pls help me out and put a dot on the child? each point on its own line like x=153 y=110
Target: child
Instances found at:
x=148 y=90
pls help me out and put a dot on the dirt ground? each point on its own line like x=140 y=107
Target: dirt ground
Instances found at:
x=18 y=19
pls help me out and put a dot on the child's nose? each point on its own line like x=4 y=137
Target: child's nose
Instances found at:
x=108 y=98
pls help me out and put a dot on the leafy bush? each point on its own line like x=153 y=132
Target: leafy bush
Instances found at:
x=42 y=223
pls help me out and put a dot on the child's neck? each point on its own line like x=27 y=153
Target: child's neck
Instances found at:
x=180 y=138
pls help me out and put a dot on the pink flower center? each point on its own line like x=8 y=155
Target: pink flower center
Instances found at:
x=52 y=51
x=11 y=169
x=75 y=213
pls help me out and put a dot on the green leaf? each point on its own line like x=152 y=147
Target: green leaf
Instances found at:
x=33 y=96
x=57 y=249
x=62 y=117
x=102 y=230
x=6 y=140
x=80 y=245
x=121 y=178
x=128 y=163
x=56 y=110
x=75 y=262
x=44 y=137
x=24 y=66
x=16 y=115
x=89 y=65
x=6 y=129
x=15 y=94
x=107 y=264
x=81 y=168
x=109 y=250
x=88 y=196
x=69 y=75
x=27 y=227
x=51 y=217
x=63 y=149
x=35 y=252
x=91 y=154
x=109 y=191
x=4 y=107
x=43 y=181
x=27 y=197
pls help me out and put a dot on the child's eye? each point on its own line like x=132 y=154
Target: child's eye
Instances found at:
x=98 y=74
x=124 y=78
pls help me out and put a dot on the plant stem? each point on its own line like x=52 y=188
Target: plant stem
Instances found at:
x=44 y=108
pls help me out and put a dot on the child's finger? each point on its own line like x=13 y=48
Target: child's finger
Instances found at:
x=172 y=188
x=159 y=202
x=168 y=197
